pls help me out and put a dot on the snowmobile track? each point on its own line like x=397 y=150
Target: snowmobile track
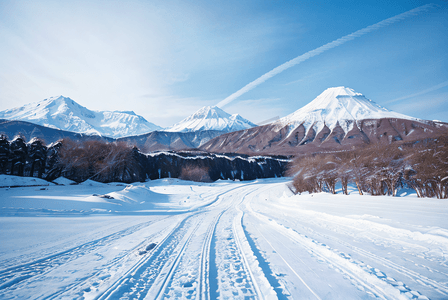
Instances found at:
x=14 y=275
x=206 y=260
x=138 y=281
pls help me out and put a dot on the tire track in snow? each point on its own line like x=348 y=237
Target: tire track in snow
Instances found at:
x=325 y=255
x=196 y=274
x=264 y=265
x=14 y=275
x=289 y=266
x=237 y=267
x=90 y=284
x=369 y=278
x=190 y=277
x=267 y=272
x=207 y=257
x=138 y=281
x=162 y=286
x=234 y=280
x=151 y=278
x=439 y=287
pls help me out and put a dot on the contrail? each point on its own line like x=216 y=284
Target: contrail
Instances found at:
x=321 y=49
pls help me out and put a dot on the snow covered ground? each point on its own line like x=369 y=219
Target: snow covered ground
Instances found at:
x=231 y=240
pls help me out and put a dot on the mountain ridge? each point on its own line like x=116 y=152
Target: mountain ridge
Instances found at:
x=337 y=119
x=211 y=118
x=66 y=114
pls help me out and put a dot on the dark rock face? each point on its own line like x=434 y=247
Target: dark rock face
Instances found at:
x=240 y=167
x=275 y=139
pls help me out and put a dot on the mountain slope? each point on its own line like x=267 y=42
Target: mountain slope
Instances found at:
x=338 y=119
x=48 y=135
x=211 y=118
x=172 y=141
x=65 y=114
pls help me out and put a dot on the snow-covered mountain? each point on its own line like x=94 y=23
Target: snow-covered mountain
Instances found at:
x=338 y=106
x=64 y=113
x=337 y=119
x=212 y=118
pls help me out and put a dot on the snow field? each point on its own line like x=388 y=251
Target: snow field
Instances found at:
x=368 y=252
x=173 y=239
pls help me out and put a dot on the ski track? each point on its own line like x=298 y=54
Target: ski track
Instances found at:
x=136 y=283
x=218 y=251
x=192 y=277
x=14 y=275
x=179 y=266
x=335 y=258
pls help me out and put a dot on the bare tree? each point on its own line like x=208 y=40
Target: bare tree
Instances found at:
x=195 y=173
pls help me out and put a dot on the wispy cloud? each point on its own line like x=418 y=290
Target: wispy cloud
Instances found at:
x=429 y=109
x=317 y=51
x=431 y=89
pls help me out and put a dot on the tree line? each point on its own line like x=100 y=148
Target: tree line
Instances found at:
x=122 y=162
x=23 y=159
x=96 y=160
x=378 y=169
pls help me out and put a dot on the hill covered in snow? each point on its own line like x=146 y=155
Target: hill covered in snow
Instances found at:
x=212 y=118
x=65 y=114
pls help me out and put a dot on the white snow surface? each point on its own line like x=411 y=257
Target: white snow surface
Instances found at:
x=212 y=118
x=338 y=105
x=63 y=181
x=65 y=114
x=225 y=240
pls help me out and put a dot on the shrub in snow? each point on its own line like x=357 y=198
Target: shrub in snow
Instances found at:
x=378 y=169
x=195 y=173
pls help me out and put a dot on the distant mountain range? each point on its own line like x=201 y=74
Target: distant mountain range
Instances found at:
x=338 y=119
x=65 y=114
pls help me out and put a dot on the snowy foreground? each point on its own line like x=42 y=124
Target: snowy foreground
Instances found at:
x=230 y=240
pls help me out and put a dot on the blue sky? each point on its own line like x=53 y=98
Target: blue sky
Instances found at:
x=166 y=59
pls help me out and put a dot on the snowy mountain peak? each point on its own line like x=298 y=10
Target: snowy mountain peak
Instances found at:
x=338 y=105
x=211 y=118
x=340 y=97
x=209 y=112
x=64 y=113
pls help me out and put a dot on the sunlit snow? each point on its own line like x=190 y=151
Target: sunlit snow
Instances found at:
x=228 y=240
